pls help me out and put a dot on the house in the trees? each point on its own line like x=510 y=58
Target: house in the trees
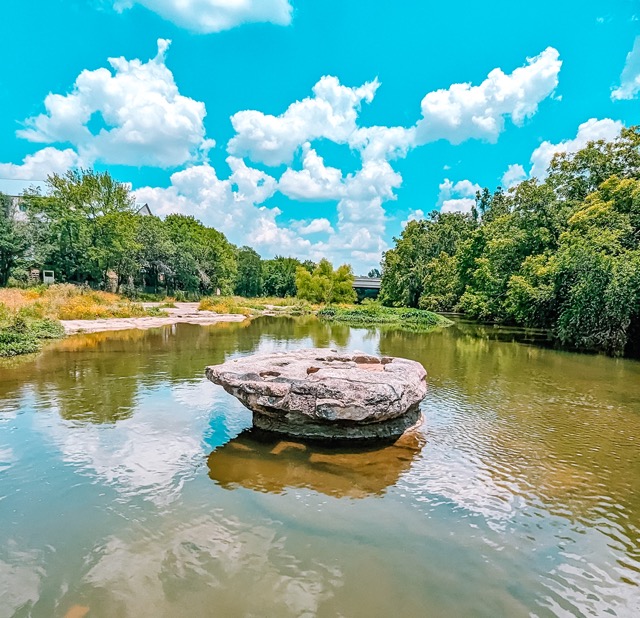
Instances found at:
x=18 y=211
x=144 y=211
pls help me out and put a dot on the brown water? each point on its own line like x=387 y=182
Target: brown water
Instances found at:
x=131 y=486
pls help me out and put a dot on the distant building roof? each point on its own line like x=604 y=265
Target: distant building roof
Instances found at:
x=144 y=211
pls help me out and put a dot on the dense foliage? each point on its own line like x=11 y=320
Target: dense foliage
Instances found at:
x=249 y=281
x=22 y=332
x=87 y=230
x=324 y=284
x=279 y=276
x=561 y=254
x=371 y=312
x=13 y=239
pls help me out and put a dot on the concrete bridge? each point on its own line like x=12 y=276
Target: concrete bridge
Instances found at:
x=366 y=287
x=366 y=283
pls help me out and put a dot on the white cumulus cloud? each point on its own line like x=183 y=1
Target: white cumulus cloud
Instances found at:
x=383 y=142
x=458 y=196
x=314 y=181
x=456 y=114
x=331 y=113
x=145 y=120
x=463 y=111
x=39 y=165
x=514 y=175
x=315 y=226
x=589 y=131
x=630 y=77
x=206 y=16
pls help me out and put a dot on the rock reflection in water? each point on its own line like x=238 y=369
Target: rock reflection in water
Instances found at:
x=264 y=463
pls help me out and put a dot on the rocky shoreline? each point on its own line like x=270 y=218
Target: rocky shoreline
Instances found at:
x=182 y=313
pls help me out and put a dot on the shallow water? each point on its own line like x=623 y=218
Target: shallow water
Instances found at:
x=131 y=486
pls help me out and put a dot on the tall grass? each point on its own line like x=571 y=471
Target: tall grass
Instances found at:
x=220 y=304
x=29 y=317
x=255 y=306
x=69 y=302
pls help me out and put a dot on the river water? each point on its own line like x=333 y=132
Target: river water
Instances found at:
x=131 y=486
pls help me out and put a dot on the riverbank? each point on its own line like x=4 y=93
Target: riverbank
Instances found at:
x=180 y=313
x=236 y=309
x=30 y=317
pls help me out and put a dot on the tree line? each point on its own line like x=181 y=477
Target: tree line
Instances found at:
x=561 y=253
x=87 y=230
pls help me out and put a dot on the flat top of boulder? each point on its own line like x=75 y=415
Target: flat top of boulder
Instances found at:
x=324 y=385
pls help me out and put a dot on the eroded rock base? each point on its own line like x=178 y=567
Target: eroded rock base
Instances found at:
x=338 y=431
x=323 y=394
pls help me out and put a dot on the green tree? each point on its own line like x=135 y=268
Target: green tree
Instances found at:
x=343 y=291
x=204 y=259
x=324 y=285
x=83 y=224
x=526 y=222
x=156 y=253
x=116 y=247
x=249 y=275
x=561 y=254
x=441 y=286
x=279 y=276
x=405 y=268
x=13 y=239
x=575 y=175
x=598 y=270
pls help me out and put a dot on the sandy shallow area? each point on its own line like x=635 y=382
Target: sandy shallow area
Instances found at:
x=186 y=313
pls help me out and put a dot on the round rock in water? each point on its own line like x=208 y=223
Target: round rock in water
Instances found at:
x=325 y=394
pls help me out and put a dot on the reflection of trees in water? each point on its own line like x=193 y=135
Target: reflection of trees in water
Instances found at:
x=559 y=429
x=272 y=465
x=96 y=377
x=320 y=334
x=555 y=427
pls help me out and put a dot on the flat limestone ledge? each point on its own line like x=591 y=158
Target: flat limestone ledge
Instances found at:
x=72 y=327
x=325 y=394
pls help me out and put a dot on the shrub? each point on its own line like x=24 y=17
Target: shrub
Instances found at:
x=155 y=312
x=373 y=313
x=13 y=343
x=22 y=335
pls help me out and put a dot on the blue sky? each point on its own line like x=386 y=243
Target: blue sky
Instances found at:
x=310 y=128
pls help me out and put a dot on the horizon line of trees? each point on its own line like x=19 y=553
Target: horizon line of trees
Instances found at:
x=561 y=254
x=87 y=230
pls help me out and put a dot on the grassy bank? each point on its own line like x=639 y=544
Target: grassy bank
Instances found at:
x=30 y=317
x=21 y=334
x=70 y=302
x=256 y=306
x=372 y=313
x=369 y=313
